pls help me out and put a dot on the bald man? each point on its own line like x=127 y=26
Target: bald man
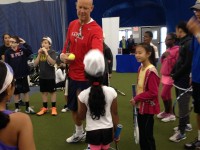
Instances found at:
x=83 y=35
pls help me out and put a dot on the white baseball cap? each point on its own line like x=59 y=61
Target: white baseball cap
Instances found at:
x=94 y=63
x=196 y=6
x=48 y=39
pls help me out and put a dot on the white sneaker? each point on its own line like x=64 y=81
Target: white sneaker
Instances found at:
x=65 y=110
x=187 y=128
x=177 y=137
x=74 y=138
x=17 y=110
x=162 y=115
x=170 y=117
x=30 y=111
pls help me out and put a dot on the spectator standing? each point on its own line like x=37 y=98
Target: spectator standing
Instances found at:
x=181 y=76
x=194 y=28
x=146 y=95
x=46 y=60
x=5 y=46
x=148 y=36
x=168 y=60
x=17 y=58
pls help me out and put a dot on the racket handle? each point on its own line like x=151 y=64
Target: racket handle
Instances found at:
x=118 y=131
x=134 y=89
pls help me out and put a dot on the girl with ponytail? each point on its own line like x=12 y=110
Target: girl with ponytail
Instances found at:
x=98 y=104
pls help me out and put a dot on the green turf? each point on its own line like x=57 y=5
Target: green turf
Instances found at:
x=50 y=132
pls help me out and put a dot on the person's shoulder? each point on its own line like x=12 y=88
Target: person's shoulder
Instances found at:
x=109 y=89
x=19 y=118
x=153 y=70
x=73 y=22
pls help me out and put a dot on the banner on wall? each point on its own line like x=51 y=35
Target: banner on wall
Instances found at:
x=111 y=31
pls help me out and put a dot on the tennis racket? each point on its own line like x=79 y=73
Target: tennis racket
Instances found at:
x=135 y=120
x=120 y=92
x=117 y=133
x=178 y=100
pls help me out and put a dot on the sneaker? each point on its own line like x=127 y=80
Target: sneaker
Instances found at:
x=177 y=137
x=29 y=111
x=193 y=145
x=21 y=103
x=88 y=147
x=170 y=117
x=162 y=115
x=187 y=128
x=65 y=109
x=54 y=111
x=42 y=111
x=74 y=138
x=17 y=110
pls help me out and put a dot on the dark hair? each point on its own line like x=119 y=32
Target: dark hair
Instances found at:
x=173 y=35
x=3 y=117
x=183 y=25
x=16 y=38
x=149 y=33
x=149 y=49
x=4 y=36
x=96 y=100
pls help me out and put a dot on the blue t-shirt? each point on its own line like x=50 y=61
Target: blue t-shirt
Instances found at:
x=195 y=48
x=2 y=145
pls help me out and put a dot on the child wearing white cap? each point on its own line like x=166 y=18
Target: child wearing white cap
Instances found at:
x=46 y=60
x=98 y=104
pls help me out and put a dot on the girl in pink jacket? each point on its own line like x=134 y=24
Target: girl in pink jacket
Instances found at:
x=146 y=95
x=168 y=60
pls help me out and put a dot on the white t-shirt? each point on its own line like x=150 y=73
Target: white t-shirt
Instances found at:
x=105 y=121
x=156 y=50
x=60 y=76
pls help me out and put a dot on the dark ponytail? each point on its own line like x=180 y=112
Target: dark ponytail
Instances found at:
x=96 y=99
x=4 y=119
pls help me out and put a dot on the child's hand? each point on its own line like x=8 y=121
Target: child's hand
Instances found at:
x=117 y=140
x=40 y=51
x=132 y=101
x=22 y=41
x=45 y=51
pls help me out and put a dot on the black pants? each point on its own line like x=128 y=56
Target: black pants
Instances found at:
x=146 y=123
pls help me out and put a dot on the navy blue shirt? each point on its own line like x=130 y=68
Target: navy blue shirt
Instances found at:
x=18 y=60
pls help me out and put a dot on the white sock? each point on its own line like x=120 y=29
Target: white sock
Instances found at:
x=198 y=135
x=79 y=129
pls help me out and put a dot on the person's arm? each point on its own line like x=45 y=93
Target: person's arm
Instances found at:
x=115 y=116
x=50 y=60
x=82 y=109
x=114 y=113
x=25 y=135
x=152 y=91
x=185 y=66
x=28 y=49
x=37 y=60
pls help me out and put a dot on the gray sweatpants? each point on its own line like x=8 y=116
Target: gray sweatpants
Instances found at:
x=183 y=105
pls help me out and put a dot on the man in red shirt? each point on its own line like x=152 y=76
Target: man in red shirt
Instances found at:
x=83 y=35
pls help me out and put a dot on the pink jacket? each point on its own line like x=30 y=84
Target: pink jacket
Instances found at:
x=148 y=99
x=169 y=61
